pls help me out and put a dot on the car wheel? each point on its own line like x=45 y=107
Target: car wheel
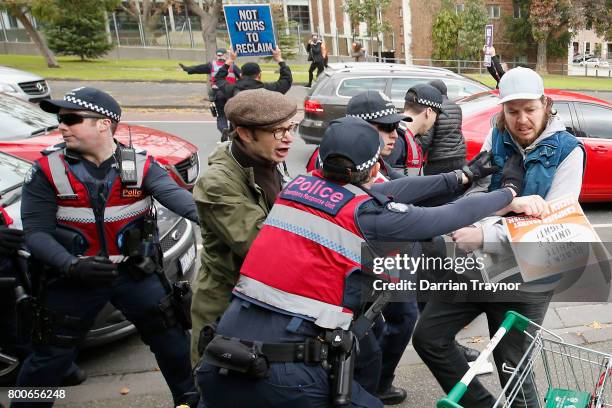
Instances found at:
x=8 y=374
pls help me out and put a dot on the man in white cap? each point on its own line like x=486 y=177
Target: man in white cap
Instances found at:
x=553 y=159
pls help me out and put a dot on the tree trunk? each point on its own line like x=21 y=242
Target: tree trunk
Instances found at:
x=208 y=19
x=35 y=37
x=542 y=64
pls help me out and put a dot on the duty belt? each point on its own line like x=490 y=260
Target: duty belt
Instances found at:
x=312 y=351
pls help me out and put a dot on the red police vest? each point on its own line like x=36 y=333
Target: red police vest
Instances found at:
x=414 y=153
x=123 y=206
x=216 y=66
x=314 y=163
x=308 y=246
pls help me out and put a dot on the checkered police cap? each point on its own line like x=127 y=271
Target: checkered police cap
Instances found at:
x=374 y=107
x=425 y=94
x=354 y=139
x=85 y=98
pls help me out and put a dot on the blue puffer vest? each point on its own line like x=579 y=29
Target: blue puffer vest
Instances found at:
x=540 y=163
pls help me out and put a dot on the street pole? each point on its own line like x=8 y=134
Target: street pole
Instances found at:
x=189 y=27
x=167 y=36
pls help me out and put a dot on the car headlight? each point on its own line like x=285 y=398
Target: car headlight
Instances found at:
x=166 y=219
x=8 y=88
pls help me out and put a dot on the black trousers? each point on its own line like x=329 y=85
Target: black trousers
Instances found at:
x=434 y=341
x=314 y=65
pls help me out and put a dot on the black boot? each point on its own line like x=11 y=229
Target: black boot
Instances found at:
x=392 y=395
x=74 y=377
x=469 y=353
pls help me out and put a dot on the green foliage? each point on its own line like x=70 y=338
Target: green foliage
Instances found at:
x=288 y=43
x=459 y=36
x=366 y=11
x=598 y=16
x=445 y=33
x=80 y=32
x=471 y=34
x=597 y=50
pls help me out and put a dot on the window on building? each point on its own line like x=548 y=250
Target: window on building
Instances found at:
x=12 y=21
x=576 y=47
x=494 y=11
x=299 y=14
x=459 y=8
x=587 y=48
x=609 y=50
x=517 y=9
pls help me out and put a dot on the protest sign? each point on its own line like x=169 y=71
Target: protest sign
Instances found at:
x=250 y=29
x=488 y=43
x=562 y=241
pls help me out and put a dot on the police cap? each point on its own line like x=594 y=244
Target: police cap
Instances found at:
x=259 y=108
x=85 y=98
x=352 y=138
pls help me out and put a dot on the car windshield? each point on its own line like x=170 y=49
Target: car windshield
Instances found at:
x=12 y=172
x=20 y=119
x=477 y=102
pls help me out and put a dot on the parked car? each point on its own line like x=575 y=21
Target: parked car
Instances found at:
x=23 y=85
x=586 y=117
x=580 y=57
x=25 y=130
x=595 y=62
x=328 y=97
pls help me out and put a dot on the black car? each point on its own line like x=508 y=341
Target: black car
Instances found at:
x=333 y=89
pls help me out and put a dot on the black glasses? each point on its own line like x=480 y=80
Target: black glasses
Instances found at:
x=387 y=127
x=279 y=133
x=70 y=119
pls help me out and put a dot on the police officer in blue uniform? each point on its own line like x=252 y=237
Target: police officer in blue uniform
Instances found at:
x=87 y=215
x=272 y=346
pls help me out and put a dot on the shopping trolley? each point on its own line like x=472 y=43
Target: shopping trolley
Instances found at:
x=560 y=374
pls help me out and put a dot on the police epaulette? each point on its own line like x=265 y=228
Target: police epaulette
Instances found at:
x=48 y=150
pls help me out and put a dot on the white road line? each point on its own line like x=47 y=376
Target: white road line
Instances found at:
x=601 y=225
x=171 y=121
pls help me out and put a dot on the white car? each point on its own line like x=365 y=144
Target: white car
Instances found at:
x=595 y=62
x=23 y=85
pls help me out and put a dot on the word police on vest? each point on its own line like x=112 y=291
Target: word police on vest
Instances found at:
x=313 y=191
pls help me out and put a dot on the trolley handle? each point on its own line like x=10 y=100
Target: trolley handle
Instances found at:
x=513 y=320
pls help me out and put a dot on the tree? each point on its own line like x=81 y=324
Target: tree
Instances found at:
x=209 y=16
x=19 y=9
x=148 y=13
x=81 y=32
x=445 y=32
x=472 y=22
x=545 y=17
x=598 y=16
x=367 y=11
x=288 y=43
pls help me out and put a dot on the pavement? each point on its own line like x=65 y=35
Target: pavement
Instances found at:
x=139 y=383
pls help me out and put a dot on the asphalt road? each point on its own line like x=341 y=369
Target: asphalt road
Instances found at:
x=129 y=364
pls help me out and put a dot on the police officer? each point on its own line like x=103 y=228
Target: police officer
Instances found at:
x=287 y=302
x=87 y=215
x=212 y=68
x=377 y=109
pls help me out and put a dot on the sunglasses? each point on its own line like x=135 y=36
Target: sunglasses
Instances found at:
x=70 y=119
x=387 y=127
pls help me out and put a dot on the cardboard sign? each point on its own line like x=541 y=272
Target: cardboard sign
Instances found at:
x=562 y=241
x=250 y=29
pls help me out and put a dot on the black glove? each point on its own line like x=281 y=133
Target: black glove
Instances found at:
x=93 y=271
x=514 y=173
x=10 y=240
x=479 y=167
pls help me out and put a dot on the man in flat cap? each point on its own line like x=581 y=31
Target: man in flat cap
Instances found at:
x=86 y=210
x=235 y=194
x=289 y=335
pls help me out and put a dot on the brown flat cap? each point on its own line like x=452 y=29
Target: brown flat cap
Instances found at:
x=259 y=108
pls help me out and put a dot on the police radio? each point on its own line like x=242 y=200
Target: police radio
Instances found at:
x=127 y=163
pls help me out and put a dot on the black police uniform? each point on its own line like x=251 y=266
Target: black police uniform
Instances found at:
x=379 y=220
x=73 y=306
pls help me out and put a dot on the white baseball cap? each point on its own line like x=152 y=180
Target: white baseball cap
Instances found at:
x=520 y=83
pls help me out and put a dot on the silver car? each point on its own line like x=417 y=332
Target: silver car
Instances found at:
x=23 y=85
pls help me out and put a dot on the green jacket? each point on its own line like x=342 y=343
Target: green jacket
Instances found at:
x=232 y=209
